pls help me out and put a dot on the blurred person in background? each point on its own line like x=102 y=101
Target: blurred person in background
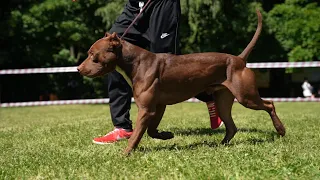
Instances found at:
x=307 y=89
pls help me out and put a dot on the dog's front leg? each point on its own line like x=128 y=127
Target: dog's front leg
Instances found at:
x=145 y=93
x=144 y=116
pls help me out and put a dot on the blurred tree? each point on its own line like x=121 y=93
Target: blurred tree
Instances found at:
x=49 y=34
x=110 y=11
x=56 y=27
x=226 y=26
x=296 y=26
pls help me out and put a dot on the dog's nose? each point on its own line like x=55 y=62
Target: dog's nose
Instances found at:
x=78 y=69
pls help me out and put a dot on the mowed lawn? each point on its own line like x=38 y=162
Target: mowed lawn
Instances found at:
x=55 y=142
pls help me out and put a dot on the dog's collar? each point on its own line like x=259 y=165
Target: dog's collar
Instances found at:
x=121 y=71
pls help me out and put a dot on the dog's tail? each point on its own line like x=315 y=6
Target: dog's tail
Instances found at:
x=244 y=55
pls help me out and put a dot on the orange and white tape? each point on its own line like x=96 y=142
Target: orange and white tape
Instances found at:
x=106 y=101
x=74 y=68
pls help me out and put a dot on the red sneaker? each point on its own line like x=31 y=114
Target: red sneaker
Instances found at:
x=215 y=120
x=113 y=136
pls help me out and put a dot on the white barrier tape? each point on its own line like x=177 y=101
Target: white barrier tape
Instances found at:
x=58 y=102
x=74 y=68
x=299 y=99
x=284 y=64
x=106 y=101
x=39 y=70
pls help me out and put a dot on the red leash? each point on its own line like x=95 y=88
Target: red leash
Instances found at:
x=135 y=19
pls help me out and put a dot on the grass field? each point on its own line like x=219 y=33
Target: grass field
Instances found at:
x=55 y=142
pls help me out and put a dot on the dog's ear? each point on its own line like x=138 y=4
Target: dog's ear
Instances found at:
x=115 y=40
x=114 y=35
x=107 y=34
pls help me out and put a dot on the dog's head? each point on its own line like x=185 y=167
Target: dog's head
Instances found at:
x=102 y=56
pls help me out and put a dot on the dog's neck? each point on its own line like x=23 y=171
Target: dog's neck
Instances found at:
x=129 y=59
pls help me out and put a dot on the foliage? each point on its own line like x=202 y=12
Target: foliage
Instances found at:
x=223 y=26
x=110 y=12
x=54 y=33
x=296 y=26
x=56 y=27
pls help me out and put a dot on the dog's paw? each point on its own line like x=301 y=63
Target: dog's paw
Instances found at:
x=281 y=130
x=127 y=152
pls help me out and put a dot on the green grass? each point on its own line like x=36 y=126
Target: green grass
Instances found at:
x=55 y=142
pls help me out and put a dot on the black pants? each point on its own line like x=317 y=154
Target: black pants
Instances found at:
x=156 y=30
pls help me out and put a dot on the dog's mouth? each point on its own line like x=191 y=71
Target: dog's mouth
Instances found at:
x=88 y=72
x=92 y=75
x=98 y=73
x=83 y=72
x=93 y=71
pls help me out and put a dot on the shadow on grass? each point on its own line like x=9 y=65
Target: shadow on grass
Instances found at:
x=209 y=131
x=177 y=147
x=196 y=131
x=268 y=137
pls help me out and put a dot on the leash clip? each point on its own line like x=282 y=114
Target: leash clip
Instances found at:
x=141 y=4
x=135 y=19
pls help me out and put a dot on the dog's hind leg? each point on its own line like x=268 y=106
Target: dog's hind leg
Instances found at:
x=243 y=87
x=224 y=101
x=154 y=123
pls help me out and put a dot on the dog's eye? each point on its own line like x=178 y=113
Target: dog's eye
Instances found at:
x=95 y=60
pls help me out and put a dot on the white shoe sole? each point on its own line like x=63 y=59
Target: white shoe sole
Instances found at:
x=104 y=143
x=221 y=124
x=218 y=126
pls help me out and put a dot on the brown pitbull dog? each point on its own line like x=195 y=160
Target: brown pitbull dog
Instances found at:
x=165 y=79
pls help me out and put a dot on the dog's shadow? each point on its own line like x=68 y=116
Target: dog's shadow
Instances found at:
x=270 y=136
